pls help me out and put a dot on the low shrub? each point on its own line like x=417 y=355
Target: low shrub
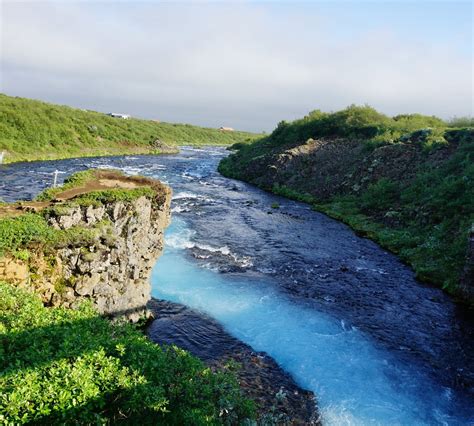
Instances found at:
x=379 y=196
x=62 y=366
x=19 y=232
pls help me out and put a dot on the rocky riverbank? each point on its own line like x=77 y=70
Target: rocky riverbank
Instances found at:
x=413 y=195
x=280 y=400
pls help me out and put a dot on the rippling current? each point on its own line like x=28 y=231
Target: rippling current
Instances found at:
x=345 y=318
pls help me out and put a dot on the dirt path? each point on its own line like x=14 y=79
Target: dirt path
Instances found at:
x=103 y=180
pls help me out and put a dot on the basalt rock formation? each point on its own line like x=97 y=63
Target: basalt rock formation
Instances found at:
x=114 y=226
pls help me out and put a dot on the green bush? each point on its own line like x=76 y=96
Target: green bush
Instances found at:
x=380 y=196
x=19 y=232
x=62 y=366
x=461 y=122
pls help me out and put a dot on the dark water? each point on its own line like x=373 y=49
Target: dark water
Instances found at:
x=344 y=317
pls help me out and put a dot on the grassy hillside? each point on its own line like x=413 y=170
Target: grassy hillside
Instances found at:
x=34 y=130
x=406 y=181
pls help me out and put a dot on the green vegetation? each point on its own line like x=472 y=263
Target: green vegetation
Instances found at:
x=73 y=181
x=366 y=124
x=461 y=122
x=22 y=231
x=97 y=198
x=34 y=130
x=424 y=215
x=72 y=366
x=64 y=366
x=287 y=192
x=19 y=234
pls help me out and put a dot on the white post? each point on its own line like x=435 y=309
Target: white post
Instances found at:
x=2 y=154
x=55 y=183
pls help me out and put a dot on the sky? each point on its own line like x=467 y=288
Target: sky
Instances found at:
x=242 y=64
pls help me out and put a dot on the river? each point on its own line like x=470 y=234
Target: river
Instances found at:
x=345 y=318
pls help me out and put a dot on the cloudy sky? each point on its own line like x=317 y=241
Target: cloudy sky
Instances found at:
x=242 y=64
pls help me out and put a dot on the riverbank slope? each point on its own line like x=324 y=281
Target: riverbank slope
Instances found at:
x=406 y=182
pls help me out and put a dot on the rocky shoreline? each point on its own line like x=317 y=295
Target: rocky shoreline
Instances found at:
x=400 y=194
x=280 y=400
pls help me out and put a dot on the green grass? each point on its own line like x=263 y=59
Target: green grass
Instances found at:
x=64 y=366
x=75 y=180
x=425 y=219
x=95 y=198
x=34 y=130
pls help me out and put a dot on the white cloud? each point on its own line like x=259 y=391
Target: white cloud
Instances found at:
x=209 y=63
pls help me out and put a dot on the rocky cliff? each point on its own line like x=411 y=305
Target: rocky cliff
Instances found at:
x=106 y=234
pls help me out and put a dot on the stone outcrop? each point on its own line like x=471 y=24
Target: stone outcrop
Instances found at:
x=164 y=148
x=109 y=259
x=328 y=166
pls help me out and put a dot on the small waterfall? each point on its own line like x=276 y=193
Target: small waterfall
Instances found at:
x=2 y=154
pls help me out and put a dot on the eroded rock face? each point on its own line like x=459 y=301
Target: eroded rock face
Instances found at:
x=110 y=263
x=325 y=167
x=14 y=270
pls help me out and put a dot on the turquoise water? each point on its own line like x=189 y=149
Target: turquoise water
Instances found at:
x=354 y=382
